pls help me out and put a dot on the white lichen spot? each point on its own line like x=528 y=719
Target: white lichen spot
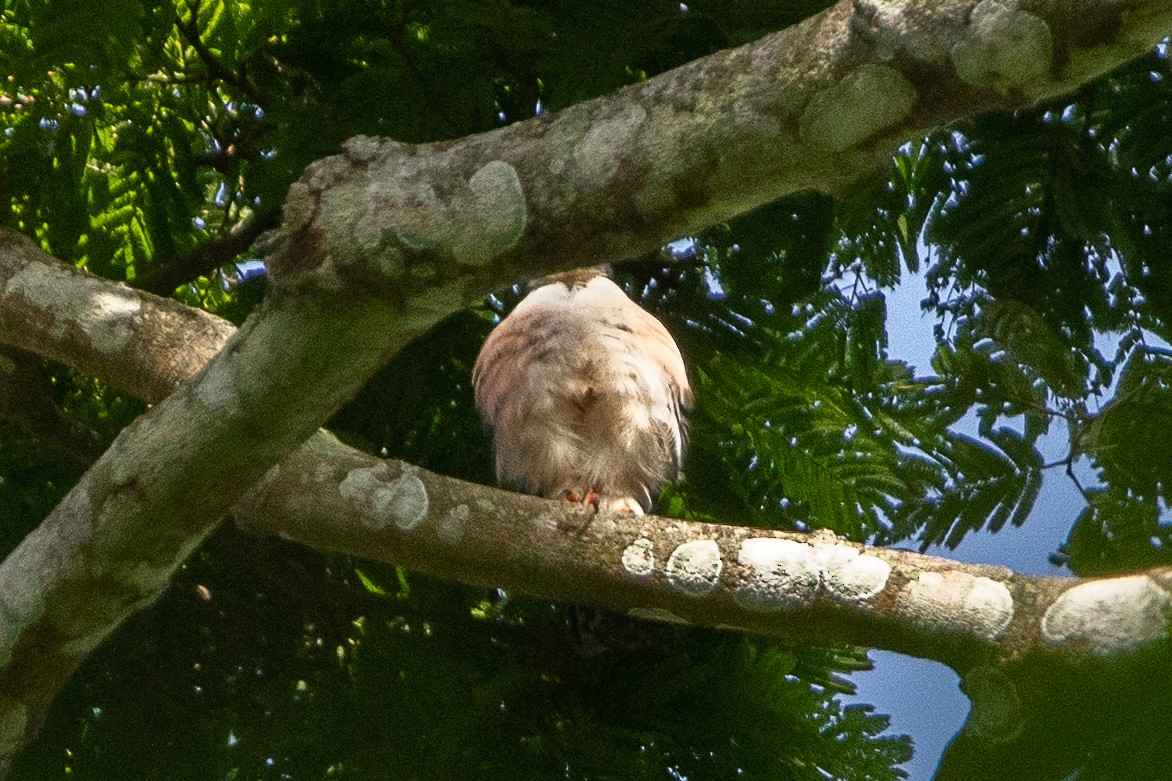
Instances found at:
x=848 y=575
x=598 y=153
x=450 y=527
x=485 y=506
x=639 y=558
x=217 y=390
x=871 y=99
x=1108 y=616
x=14 y=718
x=1004 y=47
x=217 y=387
x=109 y=322
x=957 y=601
x=101 y=311
x=787 y=573
x=496 y=217
x=74 y=538
x=899 y=26
x=694 y=567
x=566 y=132
x=402 y=501
x=782 y=574
x=657 y=614
x=547 y=521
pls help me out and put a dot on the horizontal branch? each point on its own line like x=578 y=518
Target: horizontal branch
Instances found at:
x=136 y=341
x=166 y=274
x=815 y=587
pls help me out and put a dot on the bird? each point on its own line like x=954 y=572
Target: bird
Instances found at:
x=585 y=394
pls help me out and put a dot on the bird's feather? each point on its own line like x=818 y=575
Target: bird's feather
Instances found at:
x=584 y=392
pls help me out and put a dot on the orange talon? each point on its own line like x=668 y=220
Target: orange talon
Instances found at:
x=572 y=496
x=592 y=499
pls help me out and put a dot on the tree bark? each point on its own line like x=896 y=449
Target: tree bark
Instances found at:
x=384 y=240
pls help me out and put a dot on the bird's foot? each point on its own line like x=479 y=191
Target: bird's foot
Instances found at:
x=579 y=498
x=595 y=500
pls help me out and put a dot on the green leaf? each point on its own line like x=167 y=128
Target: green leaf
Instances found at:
x=1128 y=440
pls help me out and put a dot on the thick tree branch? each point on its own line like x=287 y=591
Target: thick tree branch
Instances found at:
x=134 y=340
x=385 y=240
x=810 y=586
x=811 y=107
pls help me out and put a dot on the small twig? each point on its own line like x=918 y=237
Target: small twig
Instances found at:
x=189 y=32
x=206 y=257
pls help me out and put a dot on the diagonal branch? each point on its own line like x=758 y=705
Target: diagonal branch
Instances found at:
x=816 y=587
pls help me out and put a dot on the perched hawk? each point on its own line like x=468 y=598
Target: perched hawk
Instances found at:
x=585 y=394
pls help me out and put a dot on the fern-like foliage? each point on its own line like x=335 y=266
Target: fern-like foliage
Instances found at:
x=1126 y=522
x=802 y=421
x=1052 y=259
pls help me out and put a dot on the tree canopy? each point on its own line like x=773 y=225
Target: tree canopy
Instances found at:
x=154 y=143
